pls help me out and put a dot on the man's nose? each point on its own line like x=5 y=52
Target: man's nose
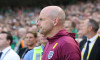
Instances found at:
x=38 y=23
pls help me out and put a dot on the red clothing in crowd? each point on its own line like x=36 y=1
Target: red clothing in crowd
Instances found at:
x=62 y=47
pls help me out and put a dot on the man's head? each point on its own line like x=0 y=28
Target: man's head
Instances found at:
x=33 y=28
x=49 y=18
x=21 y=32
x=5 y=39
x=43 y=40
x=90 y=26
x=67 y=25
x=31 y=38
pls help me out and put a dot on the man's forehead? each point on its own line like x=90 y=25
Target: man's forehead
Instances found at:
x=43 y=16
x=44 y=12
x=3 y=34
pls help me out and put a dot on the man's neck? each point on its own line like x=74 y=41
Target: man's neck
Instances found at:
x=54 y=32
x=44 y=44
x=91 y=35
x=30 y=47
x=1 y=49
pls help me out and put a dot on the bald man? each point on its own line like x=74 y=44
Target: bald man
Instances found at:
x=61 y=44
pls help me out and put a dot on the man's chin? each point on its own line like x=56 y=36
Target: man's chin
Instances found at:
x=30 y=44
x=42 y=32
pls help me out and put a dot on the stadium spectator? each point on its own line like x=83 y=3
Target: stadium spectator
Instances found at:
x=31 y=40
x=6 y=53
x=90 y=46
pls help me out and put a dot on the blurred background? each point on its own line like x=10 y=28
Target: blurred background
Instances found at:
x=20 y=16
x=39 y=3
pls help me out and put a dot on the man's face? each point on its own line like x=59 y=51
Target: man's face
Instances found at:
x=67 y=26
x=45 y=24
x=3 y=40
x=43 y=39
x=30 y=39
x=85 y=28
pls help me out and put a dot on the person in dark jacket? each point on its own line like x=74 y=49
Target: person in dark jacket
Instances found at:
x=31 y=39
x=90 y=47
x=61 y=44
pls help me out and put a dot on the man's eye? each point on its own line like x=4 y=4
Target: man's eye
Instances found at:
x=40 y=19
x=31 y=37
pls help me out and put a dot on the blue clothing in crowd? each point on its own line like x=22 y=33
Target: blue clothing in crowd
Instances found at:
x=29 y=55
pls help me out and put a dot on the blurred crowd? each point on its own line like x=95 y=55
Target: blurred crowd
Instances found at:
x=19 y=21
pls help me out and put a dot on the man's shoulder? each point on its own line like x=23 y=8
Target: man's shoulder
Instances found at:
x=66 y=39
x=68 y=42
x=12 y=55
x=29 y=55
x=12 y=52
x=83 y=42
x=23 y=49
x=98 y=41
x=98 y=38
x=30 y=52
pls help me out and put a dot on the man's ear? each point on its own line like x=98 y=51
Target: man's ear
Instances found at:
x=8 y=42
x=90 y=28
x=55 y=21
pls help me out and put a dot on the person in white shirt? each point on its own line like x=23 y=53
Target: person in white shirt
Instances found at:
x=6 y=53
